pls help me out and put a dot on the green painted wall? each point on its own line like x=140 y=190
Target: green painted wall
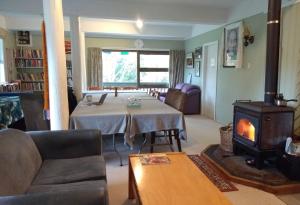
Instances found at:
x=124 y=43
x=242 y=83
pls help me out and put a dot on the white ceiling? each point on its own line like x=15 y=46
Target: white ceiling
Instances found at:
x=173 y=19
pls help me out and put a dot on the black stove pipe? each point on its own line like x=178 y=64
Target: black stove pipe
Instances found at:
x=272 y=59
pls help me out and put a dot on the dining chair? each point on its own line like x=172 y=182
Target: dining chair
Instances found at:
x=174 y=98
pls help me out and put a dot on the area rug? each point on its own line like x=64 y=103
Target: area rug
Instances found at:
x=222 y=184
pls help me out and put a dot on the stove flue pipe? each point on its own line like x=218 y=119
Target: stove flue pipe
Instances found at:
x=272 y=59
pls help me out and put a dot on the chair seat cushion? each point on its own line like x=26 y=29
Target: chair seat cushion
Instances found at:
x=61 y=171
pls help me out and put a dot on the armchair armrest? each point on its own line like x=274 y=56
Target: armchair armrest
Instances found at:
x=67 y=143
x=78 y=197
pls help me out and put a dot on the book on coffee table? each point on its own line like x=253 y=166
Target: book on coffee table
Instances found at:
x=152 y=159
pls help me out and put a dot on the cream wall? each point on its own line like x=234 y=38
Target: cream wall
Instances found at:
x=123 y=43
x=10 y=42
x=2 y=22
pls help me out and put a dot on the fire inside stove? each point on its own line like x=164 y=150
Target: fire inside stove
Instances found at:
x=246 y=129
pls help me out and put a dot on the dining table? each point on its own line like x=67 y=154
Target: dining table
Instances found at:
x=117 y=115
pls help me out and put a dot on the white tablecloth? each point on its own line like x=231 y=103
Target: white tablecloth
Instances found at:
x=110 y=117
x=115 y=117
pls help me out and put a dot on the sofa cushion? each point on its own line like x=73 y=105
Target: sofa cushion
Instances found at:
x=188 y=87
x=87 y=192
x=179 y=86
x=60 y=171
x=85 y=185
x=20 y=161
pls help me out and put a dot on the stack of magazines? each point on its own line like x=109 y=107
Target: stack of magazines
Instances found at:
x=151 y=159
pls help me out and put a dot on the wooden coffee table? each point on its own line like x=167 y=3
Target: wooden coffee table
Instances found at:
x=179 y=182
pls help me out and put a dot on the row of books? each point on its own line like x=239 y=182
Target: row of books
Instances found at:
x=32 y=86
x=21 y=63
x=69 y=73
x=10 y=87
x=27 y=53
x=31 y=76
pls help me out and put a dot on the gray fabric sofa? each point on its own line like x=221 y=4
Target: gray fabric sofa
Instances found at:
x=52 y=167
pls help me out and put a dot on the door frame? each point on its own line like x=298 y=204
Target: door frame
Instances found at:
x=203 y=72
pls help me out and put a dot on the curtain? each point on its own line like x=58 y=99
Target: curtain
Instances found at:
x=176 y=70
x=94 y=70
x=290 y=59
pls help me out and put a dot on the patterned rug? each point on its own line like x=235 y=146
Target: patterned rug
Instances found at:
x=222 y=184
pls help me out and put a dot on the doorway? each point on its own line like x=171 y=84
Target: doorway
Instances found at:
x=209 y=81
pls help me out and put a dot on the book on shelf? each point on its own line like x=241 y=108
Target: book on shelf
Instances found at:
x=31 y=76
x=32 y=86
x=32 y=63
x=28 y=53
x=152 y=159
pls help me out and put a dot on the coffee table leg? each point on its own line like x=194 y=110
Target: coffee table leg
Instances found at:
x=130 y=181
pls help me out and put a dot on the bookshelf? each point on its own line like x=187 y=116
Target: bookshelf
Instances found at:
x=29 y=66
x=69 y=70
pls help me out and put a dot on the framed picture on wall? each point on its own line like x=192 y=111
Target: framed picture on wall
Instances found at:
x=189 y=60
x=233 y=45
x=197 y=68
x=23 y=38
x=198 y=53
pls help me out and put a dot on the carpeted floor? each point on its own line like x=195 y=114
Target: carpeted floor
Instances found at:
x=201 y=133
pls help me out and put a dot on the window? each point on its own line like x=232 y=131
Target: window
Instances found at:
x=2 y=73
x=135 y=68
x=153 y=69
x=119 y=68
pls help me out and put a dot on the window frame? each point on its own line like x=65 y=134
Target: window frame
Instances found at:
x=139 y=69
x=144 y=69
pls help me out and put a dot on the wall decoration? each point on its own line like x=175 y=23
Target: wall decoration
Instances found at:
x=23 y=38
x=197 y=68
x=139 y=43
x=189 y=60
x=198 y=53
x=233 y=45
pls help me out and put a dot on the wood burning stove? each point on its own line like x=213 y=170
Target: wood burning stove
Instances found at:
x=259 y=128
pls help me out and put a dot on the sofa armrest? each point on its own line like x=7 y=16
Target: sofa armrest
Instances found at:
x=193 y=92
x=66 y=144
x=78 y=197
